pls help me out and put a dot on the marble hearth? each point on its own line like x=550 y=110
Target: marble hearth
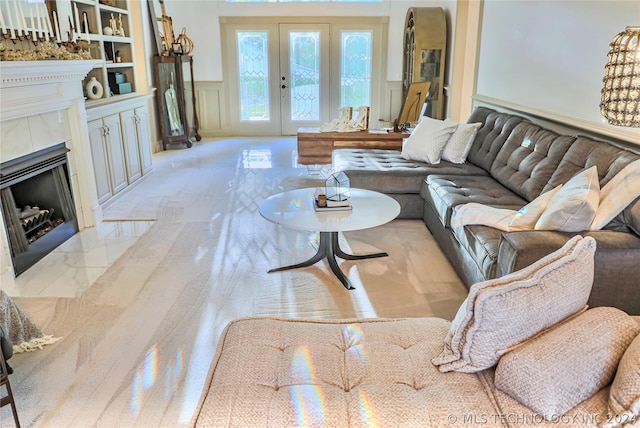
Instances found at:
x=42 y=105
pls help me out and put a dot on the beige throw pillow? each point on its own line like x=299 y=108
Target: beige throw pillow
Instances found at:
x=555 y=371
x=617 y=194
x=427 y=141
x=501 y=313
x=574 y=206
x=460 y=142
x=624 y=396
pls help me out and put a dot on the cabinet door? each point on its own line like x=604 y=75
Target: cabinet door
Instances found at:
x=100 y=162
x=131 y=151
x=115 y=148
x=144 y=141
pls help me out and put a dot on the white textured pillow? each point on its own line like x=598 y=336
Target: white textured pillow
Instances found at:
x=573 y=208
x=501 y=313
x=619 y=192
x=427 y=141
x=527 y=216
x=460 y=142
x=562 y=367
x=502 y=218
x=624 y=395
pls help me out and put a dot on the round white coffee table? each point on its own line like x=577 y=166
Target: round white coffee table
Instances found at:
x=294 y=209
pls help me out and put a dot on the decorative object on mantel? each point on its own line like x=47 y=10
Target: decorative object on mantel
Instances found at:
x=41 y=39
x=44 y=50
x=620 y=103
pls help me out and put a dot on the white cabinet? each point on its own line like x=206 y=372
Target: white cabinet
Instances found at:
x=132 y=151
x=120 y=145
x=107 y=149
x=144 y=140
x=100 y=162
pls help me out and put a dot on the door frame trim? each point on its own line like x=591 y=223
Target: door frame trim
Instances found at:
x=228 y=24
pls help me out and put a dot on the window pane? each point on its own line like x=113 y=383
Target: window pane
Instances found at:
x=304 y=62
x=253 y=69
x=355 y=69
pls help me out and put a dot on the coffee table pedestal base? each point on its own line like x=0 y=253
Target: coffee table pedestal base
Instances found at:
x=328 y=249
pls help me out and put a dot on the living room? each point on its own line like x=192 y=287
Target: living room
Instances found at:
x=183 y=252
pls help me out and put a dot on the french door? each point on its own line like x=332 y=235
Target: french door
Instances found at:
x=288 y=75
x=304 y=76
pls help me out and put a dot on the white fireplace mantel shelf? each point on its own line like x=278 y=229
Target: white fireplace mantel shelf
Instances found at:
x=35 y=87
x=19 y=73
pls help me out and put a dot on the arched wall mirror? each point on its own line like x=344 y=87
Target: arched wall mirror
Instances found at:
x=424 y=50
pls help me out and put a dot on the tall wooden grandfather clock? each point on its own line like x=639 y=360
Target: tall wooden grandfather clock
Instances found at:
x=425 y=44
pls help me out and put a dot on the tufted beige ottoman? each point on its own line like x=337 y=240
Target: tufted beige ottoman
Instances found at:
x=358 y=373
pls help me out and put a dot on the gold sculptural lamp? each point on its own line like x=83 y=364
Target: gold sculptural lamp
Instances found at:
x=620 y=103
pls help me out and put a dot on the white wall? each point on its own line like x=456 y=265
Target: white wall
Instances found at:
x=550 y=55
x=200 y=17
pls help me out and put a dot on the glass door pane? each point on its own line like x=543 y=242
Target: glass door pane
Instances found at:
x=253 y=75
x=304 y=80
x=355 y=68
x=304 y=66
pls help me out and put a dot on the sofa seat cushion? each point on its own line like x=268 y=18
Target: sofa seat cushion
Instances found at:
x=347 y=373
x=387 y=172
x=448 y=191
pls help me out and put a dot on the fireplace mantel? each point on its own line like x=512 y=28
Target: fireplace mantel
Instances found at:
x=18 y=78
x=41 y=105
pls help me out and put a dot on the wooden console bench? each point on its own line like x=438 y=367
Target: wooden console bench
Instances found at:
x=315 y=147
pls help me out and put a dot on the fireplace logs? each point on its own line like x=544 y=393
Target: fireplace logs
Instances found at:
x=34 y=219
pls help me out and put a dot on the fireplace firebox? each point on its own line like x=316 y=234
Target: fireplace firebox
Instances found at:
x=37 y=205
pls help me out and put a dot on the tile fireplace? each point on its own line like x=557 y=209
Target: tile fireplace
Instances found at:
x=45 y=158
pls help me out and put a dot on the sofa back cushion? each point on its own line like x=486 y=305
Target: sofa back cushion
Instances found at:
x=586 y=152
x=496 y=128
x=528 y=159
x=555 y=371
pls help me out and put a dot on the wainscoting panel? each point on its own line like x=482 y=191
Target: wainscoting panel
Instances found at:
x=210 y=107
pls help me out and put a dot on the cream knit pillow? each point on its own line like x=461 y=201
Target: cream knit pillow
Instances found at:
x=624 y=396
x=555 y=371
x=501 y=313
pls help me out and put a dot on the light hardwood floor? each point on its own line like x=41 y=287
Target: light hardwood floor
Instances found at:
x=140 y=300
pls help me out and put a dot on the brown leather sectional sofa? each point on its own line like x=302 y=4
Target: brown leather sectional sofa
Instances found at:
x=511 y=162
